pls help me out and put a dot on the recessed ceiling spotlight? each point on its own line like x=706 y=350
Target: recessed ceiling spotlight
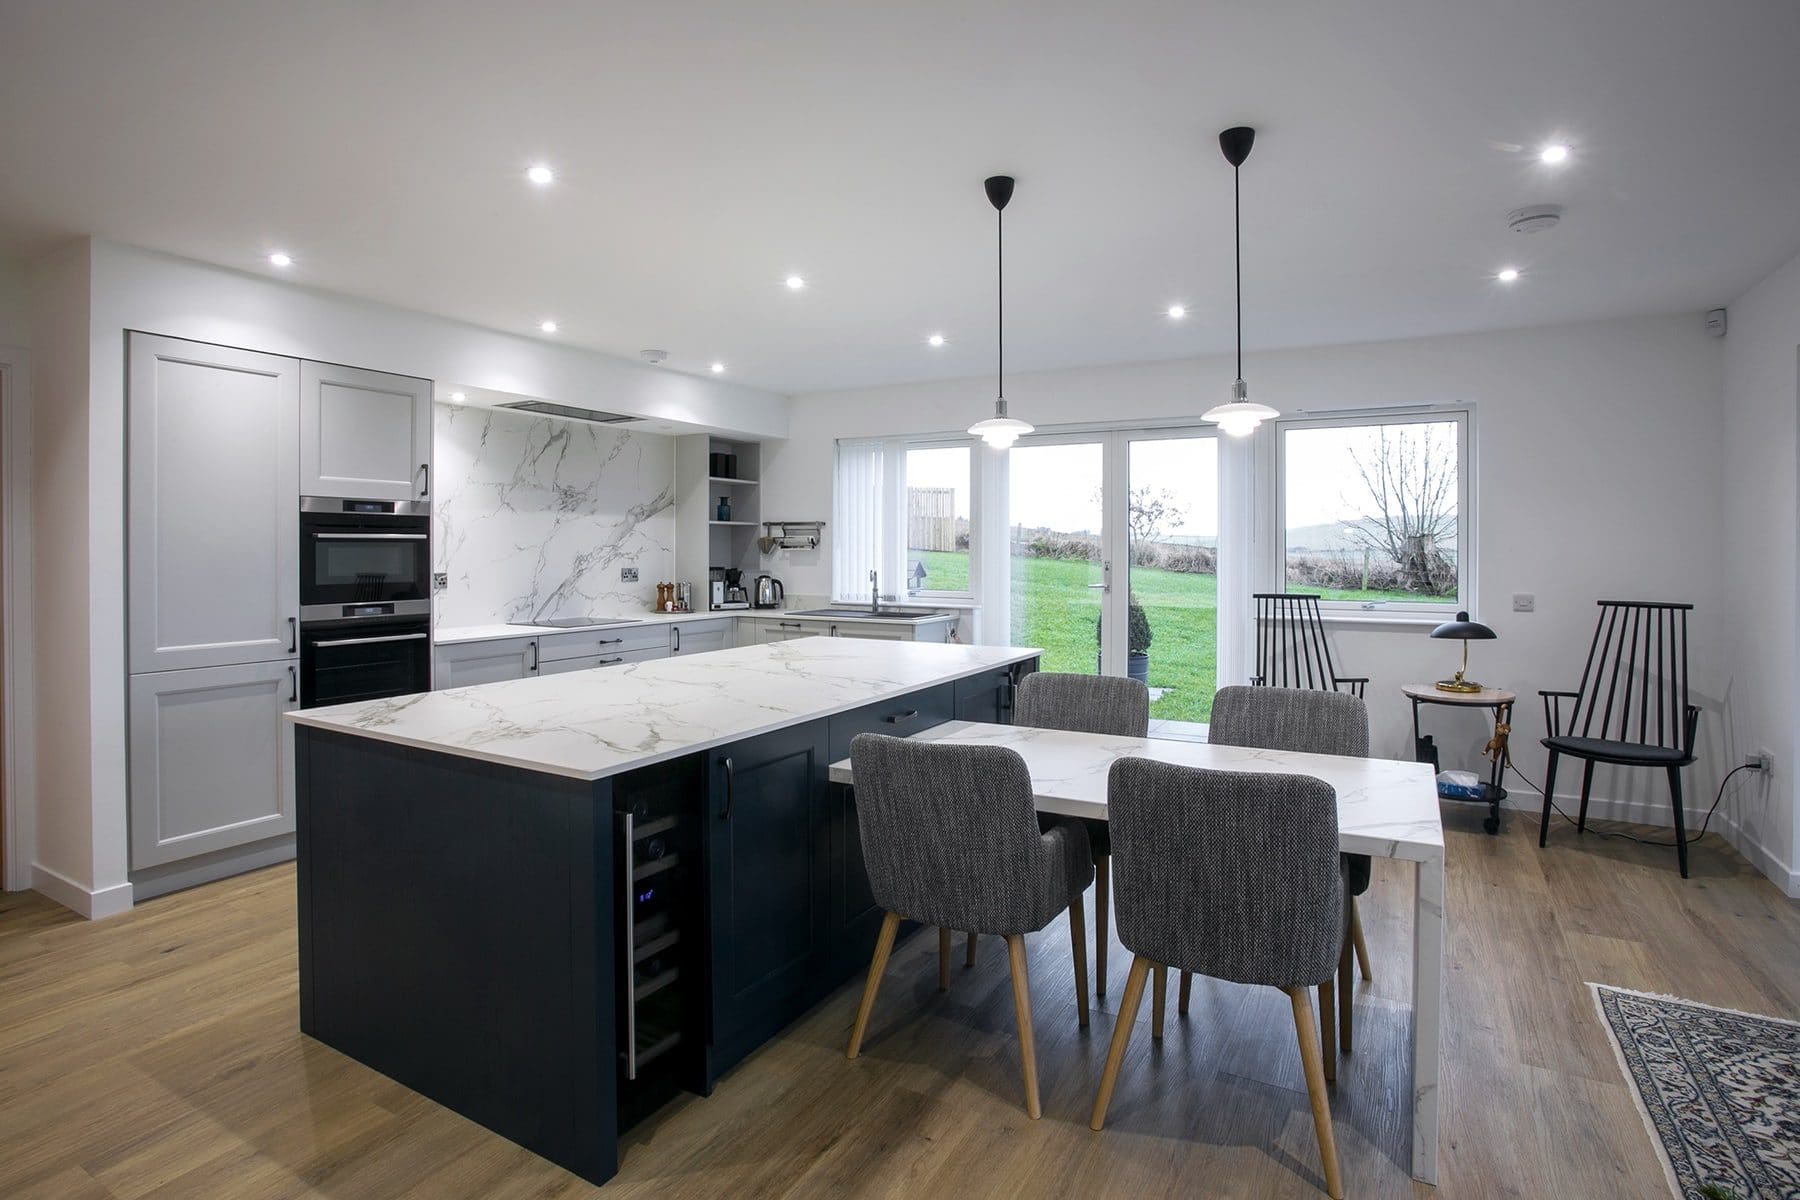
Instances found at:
x=540 y=174
x=936 y=339
x=1177 y=311
x=547 y=326
x=1507 y=274
x=458 y=397
x=1554 y=153
x=718 y=368
x=281 y=258
x=795 y=282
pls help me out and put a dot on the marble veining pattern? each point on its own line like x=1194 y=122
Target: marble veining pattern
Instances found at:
x=534 y=517
x=589 y=724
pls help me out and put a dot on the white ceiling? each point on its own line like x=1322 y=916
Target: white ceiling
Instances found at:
x=707 y=149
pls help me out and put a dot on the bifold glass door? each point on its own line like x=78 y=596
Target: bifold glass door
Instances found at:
x=1114 y=559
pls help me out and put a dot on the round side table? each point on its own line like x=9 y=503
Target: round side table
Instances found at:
x=1496 y=700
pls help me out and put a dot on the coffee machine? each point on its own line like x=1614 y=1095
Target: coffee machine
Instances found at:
x=725 y=589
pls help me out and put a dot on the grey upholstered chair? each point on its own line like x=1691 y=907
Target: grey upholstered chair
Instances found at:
x=951 y=839
x=1308 y=722
x=1086 y=704
x=1233 y=875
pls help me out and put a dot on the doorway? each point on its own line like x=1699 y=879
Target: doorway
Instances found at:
x=1113 y=545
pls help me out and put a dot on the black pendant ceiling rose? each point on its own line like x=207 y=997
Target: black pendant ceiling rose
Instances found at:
x=1239 y=416
x=999 y=430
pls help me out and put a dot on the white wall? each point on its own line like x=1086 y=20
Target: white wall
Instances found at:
x=94 y=291
x=1599 y=475
x=15 y=316
x=1762 y=458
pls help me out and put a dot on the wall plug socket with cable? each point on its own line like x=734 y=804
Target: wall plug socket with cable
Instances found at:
x=1762 y=760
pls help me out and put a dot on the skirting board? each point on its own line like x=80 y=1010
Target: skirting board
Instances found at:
x=92 y=904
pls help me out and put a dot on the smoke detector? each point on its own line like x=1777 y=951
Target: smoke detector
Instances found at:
x=655 y=358
x=1534 y=218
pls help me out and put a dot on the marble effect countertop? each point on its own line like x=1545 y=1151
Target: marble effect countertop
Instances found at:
x=1386 y=808
x=451 y=635
x=591 y=724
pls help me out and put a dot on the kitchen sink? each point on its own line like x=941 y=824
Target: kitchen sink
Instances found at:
x=882 y=614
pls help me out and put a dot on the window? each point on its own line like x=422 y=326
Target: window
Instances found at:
x=1375 y=511
x=903 y=509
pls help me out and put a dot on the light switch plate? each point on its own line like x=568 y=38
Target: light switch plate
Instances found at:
x=1524 y=602
x=628 y=574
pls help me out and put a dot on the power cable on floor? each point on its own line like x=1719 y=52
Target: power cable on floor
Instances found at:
x=1627 y=836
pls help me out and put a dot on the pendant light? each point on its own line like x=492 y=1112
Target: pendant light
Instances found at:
x=1000 y=430
x=1240 y=417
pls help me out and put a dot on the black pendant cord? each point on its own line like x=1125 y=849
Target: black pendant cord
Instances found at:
x=1000 y=306
x=1237 y=226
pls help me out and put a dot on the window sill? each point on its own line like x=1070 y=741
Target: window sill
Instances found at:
x=1371 y=620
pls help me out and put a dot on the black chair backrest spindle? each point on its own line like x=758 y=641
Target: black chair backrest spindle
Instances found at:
x=1637 y=666
x=1291 y=650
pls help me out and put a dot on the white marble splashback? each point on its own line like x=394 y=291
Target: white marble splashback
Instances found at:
x=535 y=517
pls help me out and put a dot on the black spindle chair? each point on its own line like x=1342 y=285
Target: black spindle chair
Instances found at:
x=1632 y=707
x=1291 y=650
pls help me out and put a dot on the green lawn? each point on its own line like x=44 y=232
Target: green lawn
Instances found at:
x=1053 y=607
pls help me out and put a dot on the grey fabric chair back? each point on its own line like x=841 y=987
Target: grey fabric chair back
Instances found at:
x=1293 y=719
x=1083 y=704
x=950 y=837
x=1227 y=873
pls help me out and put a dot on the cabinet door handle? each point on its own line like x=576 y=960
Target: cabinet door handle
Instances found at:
x=676 y=632
x=293 y=634
x=425 y=477
x=903 y=718
x=293 y=687
x=730 y=787
x=834 y=631
x=534 y=655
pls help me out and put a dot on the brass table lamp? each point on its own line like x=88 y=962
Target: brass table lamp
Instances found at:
x=1464 y=631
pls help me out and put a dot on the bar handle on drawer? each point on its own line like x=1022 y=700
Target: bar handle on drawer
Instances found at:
x=789 y=624
x=607 y=662
x=903 y=718
x=630 y=956
x=730 y=787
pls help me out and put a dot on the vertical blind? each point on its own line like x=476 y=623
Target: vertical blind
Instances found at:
x=869 y=511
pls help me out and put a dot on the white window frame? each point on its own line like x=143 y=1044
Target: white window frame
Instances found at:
x=1275 y=567
x=894 y=524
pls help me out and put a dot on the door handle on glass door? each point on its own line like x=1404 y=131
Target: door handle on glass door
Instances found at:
x=1105 y=584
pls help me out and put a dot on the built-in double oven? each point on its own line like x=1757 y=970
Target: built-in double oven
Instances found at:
x=365 y=599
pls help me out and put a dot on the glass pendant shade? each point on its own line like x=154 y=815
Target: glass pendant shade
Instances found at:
x=1000 y=431
x=1240 y=417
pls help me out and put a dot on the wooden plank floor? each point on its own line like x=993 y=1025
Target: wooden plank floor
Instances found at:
x=157 y=1054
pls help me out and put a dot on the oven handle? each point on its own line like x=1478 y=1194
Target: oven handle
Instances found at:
x=370 y=641
x=372 y=537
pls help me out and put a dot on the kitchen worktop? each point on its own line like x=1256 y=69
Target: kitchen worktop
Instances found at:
x=451 y=635
x=591 y=724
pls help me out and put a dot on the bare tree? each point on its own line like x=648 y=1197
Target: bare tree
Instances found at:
x=1408 y=473
x=1148 y=509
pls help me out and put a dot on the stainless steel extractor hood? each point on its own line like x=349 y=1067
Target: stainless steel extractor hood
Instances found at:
x=567 y=412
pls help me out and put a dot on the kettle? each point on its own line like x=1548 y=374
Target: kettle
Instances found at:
x=769 y=592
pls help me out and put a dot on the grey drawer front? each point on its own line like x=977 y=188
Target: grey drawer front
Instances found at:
x=587 y=662
x=604 y=642
x=933 y=706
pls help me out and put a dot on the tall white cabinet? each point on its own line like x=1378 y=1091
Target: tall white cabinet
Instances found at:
x=213 y=596
x=365 y=435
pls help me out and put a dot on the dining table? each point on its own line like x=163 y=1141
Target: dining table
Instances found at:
x=1386 y=809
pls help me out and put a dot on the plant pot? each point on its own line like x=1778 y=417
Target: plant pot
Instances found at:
x=1137 y=666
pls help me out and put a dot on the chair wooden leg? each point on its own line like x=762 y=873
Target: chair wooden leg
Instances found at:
x=1328 y=1028
x=1115 y=1054
x=1078 y=947
x=1102 y=919
x=969 y=954
x=1159 y=985
x=1356 y=939
x=1680 y=819
x=1549 y=796
x=943 y=960
x=1587 y=786
x=1346 y=993
x=1313 y=1061
x=884 y=945
x=1187 y=987
x=1021 y=989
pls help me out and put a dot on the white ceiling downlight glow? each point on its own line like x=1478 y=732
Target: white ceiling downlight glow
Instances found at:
x=936 y=339
x=1507 y=274
x=547 y=326
x=795 y=282
x=458 y=397
x=1553 y=154
x=541 y=175
x=1177 y=311
x=281 y=258
x=718 y=368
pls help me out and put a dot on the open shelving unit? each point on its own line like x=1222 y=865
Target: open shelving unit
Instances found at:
x=702 y=541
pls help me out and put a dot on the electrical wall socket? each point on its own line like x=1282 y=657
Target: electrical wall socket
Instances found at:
x=628 y=574
x=1762 y=760
x=440 y=580
x=1524 y=602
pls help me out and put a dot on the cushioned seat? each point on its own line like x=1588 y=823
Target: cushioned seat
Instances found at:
x=1627 y=753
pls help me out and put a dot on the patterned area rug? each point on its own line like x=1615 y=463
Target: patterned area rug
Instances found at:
x=1719 y=1090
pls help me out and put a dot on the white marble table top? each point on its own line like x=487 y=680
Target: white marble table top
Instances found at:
x=590 y=724
x=1386 y=808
